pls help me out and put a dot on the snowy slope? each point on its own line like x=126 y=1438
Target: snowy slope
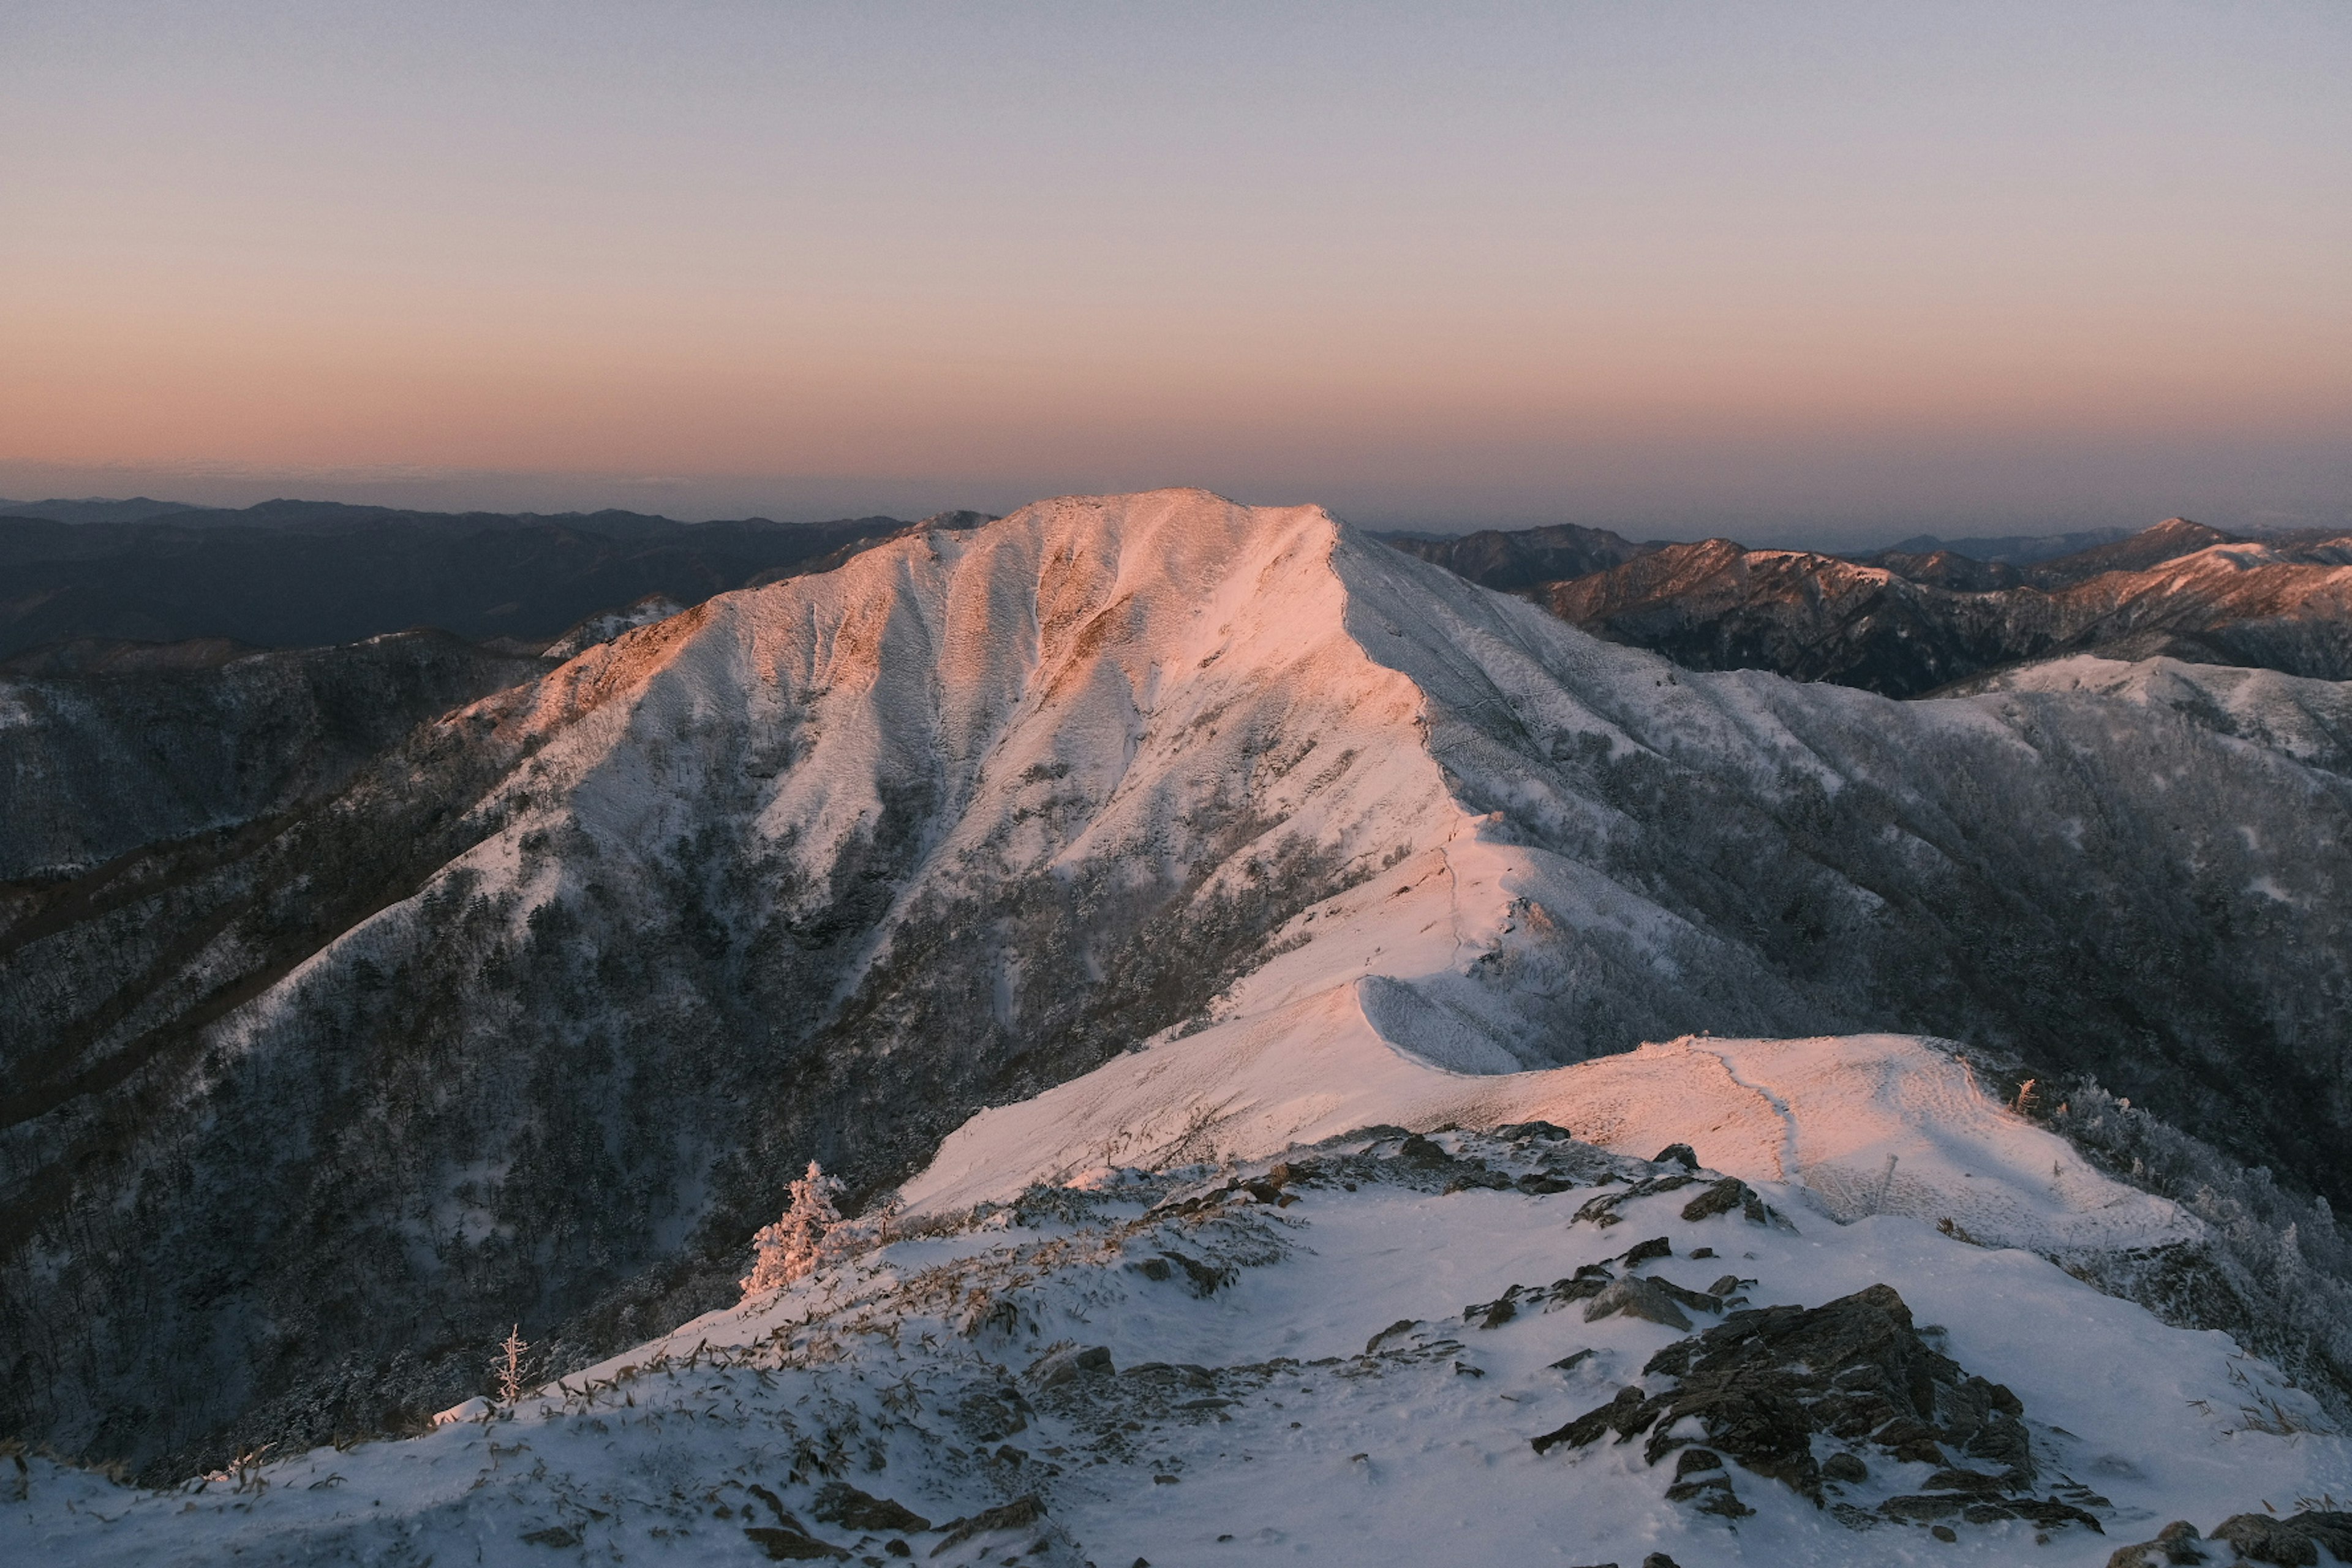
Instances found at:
x=2310 y=720
x=1875 y=1124
x=532 y=1024
x=1304 y=1362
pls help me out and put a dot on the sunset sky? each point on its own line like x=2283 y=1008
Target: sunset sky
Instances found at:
x=1826 y=272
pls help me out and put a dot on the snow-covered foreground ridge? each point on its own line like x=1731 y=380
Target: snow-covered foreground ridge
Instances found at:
x=1875 y=1124
x=1385 y=1349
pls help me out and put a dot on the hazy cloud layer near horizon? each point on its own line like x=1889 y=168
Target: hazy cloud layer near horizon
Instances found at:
x=1843 y=271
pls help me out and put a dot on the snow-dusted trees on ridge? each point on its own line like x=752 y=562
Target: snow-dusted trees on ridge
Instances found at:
x=797 y=1242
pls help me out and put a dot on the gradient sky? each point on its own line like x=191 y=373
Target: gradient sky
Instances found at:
x=1826 y=272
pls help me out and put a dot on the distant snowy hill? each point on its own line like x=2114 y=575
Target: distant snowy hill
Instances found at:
x=532 y=1021
x=1905 y=623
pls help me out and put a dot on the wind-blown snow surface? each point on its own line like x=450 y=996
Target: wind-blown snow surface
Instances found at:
x=1873 y=1124
x=1292 y=1373
x=525 y=1027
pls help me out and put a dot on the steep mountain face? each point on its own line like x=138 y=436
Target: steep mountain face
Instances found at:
x=113 y=747
x=1512 y=561
x=1911 y=623
x=299 y=574
x=532 y=1021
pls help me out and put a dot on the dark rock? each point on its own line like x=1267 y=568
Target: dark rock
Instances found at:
x=1071 y=1361
x=2176 y=1544
x=1571 y=1360
x=838 y=1502
x=1587 y=1281
x=1700 y=1478
x=1659 y=1560
x=1373 y=1346
x=1629 y=1414
x=1543 y=1186
x=1645 y=1251
x=2050 y=1513
x=1419 y=1151
x=1725 y=1286
x=1493 y=1314
x=1602 y=1210
x=1637 y=1298
x=1763 y=1384
x=1844 y=1467
x=1680 y=1154
x=1725 y=1195
x=1943 y=1532
x=784 y=1544
x=2332 y=1530
x=1688 y=1297
x=553 y=1535
x=1515 y=1130
x=1919 y=1508
x=1020 y=1511
x=2268 y=1539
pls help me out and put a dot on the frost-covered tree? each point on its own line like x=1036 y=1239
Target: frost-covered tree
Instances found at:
x=509 y=1365
x=797 y=1242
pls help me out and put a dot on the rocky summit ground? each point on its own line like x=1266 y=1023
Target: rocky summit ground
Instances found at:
x=1509 y=1346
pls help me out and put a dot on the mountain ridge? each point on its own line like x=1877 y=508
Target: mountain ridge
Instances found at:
x=529 y=1015
x=1914 y=624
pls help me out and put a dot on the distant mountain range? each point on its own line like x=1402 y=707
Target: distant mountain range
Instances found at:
x=305 y=573
x=1909 y=620
x=1903 y=621
x=96 y=509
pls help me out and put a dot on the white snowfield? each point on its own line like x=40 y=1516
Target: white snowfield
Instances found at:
x=1863 y=1125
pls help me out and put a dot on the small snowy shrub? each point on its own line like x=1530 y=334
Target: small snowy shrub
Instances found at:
x=509 y=1365
x=801 y=1238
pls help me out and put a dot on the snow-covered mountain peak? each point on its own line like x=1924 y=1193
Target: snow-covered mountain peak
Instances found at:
x=1165 y=680
x=1152 y=829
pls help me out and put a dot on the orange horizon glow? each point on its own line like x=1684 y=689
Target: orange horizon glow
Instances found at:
x=1650 y=260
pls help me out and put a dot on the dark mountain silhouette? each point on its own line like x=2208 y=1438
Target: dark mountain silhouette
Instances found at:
x=304 y=573
x=1510 y=561
x=96 y=509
